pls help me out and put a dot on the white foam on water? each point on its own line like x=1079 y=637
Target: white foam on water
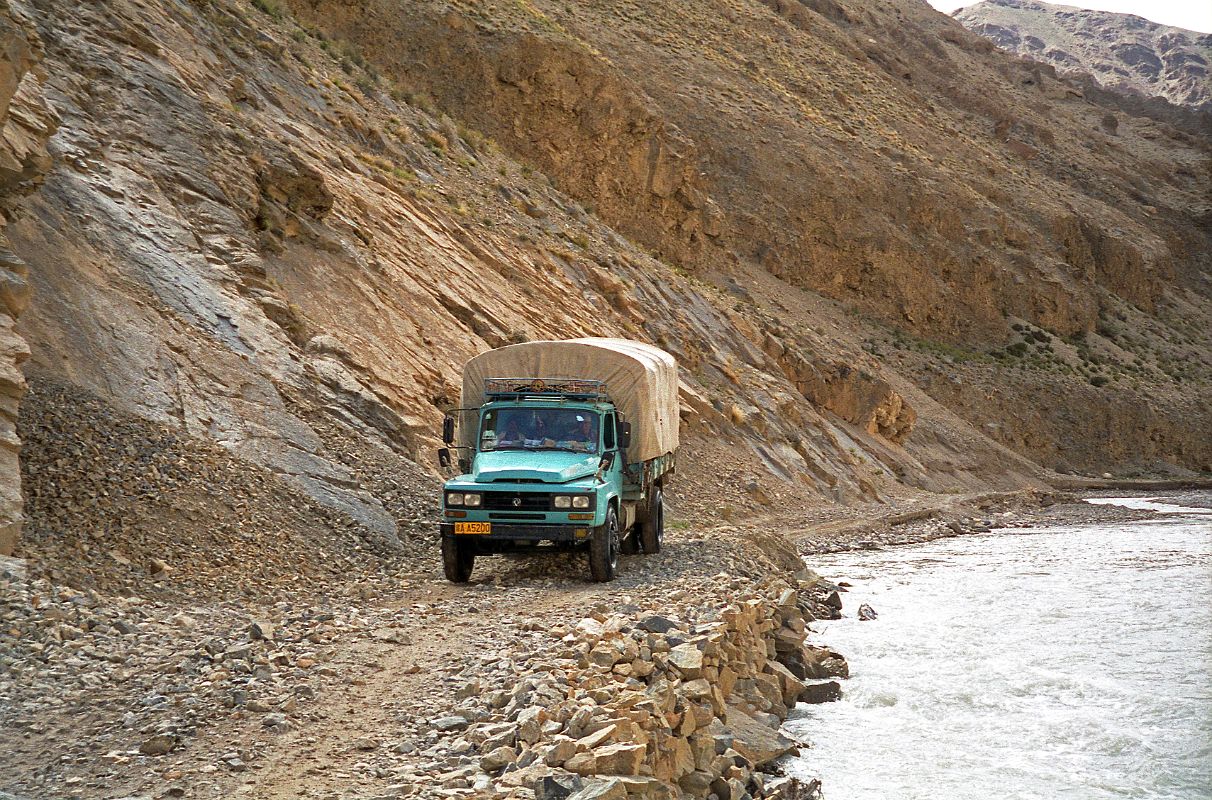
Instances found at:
x=1069 y=663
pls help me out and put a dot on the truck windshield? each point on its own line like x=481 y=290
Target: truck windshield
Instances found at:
x=570 y=429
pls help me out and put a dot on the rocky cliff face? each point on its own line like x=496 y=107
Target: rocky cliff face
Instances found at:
x=25 y=123
x=272 y=234
x=1120 y=51
x=831 y=145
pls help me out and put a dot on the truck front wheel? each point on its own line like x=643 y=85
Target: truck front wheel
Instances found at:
x=652 y=529
x=457 y=560
x=604 y=549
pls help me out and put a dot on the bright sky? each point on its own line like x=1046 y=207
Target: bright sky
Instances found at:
x=1195 y=15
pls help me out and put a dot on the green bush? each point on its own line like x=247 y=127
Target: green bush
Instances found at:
x=1099 y=380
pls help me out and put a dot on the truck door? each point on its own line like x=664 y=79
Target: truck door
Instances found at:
x=608 y=437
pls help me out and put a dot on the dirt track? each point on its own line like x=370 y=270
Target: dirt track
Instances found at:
x=371 y=669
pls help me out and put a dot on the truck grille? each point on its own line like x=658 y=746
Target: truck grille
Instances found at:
x=517 y=501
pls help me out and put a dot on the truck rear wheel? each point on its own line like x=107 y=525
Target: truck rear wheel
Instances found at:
x=604 y=549
x=652 y=529
x=457 y=560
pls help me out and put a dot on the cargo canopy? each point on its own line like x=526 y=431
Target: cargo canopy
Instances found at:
x=640 y=379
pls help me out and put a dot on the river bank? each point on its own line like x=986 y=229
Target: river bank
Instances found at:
x=961 y=516
x=394 y=683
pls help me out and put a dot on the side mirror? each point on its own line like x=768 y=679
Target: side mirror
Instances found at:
x=624 y=435
x=444 y=458
x=448 y=429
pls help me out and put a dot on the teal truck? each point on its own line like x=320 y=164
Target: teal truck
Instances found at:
x=560 y=445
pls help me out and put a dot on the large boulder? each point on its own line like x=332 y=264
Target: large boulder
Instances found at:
x=758 y=743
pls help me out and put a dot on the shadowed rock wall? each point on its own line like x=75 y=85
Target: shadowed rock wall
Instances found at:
x=26 y=121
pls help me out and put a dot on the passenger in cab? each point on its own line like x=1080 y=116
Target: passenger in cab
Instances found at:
x=512 y=437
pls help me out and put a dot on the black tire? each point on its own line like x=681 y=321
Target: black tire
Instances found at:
x=631 y=542
x=604 y=549
x=458 y=559
x=652 y=529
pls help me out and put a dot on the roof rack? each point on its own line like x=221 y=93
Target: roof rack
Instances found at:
x=545 y=388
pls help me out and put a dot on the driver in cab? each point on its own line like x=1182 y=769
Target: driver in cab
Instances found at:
x=582 y=435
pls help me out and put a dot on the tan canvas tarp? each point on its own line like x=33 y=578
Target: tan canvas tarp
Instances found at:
x=642 y=380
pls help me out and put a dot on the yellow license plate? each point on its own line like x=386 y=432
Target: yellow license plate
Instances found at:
x=473 y=527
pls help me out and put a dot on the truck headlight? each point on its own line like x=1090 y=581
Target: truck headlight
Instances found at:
x=471 y=499
x=580 y=501
x=562 y=501
x=454 y=498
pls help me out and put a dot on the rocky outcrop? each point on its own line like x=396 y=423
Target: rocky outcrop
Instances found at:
x=1122 y=52
x=559 y=107
x=854 y=394
x=26 y=122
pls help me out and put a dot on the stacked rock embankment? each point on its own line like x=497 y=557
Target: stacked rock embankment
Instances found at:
x=640 y=705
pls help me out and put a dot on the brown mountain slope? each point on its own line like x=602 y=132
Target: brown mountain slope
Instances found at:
x=1123 y=52
x=884 y=157
x=248 y=238
x=271 y=238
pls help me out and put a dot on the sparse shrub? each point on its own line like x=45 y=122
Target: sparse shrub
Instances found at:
x=270 y=7
x=436 y=141
x=475 y=140
x=1099 y=380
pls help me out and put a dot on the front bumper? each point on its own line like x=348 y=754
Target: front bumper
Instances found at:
x=524 y=533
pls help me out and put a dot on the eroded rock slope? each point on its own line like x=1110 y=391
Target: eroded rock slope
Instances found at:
x=251 y=237
x=882 y=157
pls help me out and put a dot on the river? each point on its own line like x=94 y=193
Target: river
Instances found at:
x=1068 y=662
